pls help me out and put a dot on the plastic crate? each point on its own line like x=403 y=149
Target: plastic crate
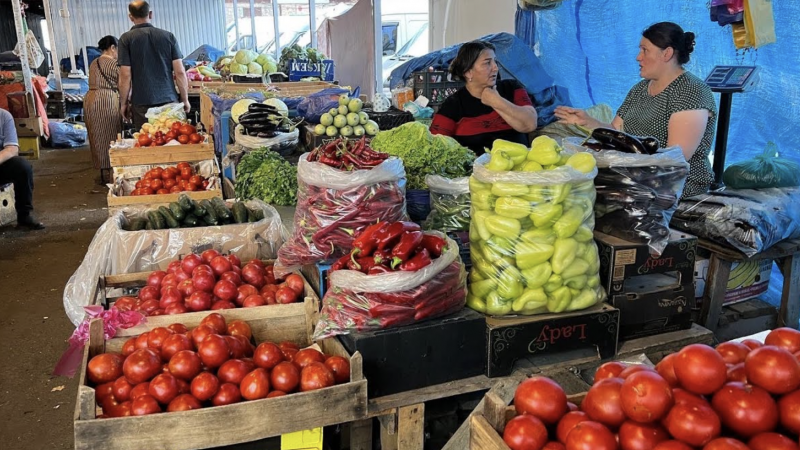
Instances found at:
x=302 y=440
x=392 y=118
x=436 y=86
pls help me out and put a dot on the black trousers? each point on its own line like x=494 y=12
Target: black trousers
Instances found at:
x=18 y=171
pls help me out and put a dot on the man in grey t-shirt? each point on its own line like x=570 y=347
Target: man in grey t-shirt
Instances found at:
x=148 y=58
x=16 y=169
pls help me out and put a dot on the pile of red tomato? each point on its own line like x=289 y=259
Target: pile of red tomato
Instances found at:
x=184 y=133
x=738 y=396
x=173 y=179
x=177 y=369
x=211 y=281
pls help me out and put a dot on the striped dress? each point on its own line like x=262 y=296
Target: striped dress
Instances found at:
x=101 y=108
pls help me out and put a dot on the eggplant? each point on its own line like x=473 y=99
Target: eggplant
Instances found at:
x=619 y=140
x=650 y=144
x=260 y=107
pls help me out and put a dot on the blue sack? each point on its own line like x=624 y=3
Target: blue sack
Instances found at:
x=67 y=135
x=315 y=105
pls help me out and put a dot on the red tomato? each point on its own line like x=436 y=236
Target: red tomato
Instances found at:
x=746 y=409
x=233 y=277
x=736 y=372
x=275 y=394
x=267 y=355
x=567 y=423
x=140 y=389
x=220 y=265
x=189 y=263
x=240 y=328
x=240 y=347
x=591 y=436
x=789 y=408
x=186 y=173
x=636 y=368
x=164 y=388
x=554 y=446
x=103 y=392
x=156 y=184
x=204 y=281
x=602 y=403
x=672 y=445
x=296 y=283
x=208 y=255
x=255 y=385
x=225 y=290
x=200 y=333
x=199 y=301
x=173 y=344
x=285 y=376
x=666 y=369
x=289 y=349
x=638 y=436
x=315 y=376
x=149 y=293
x=176 y=308
x=186 y=288
x=125 y=303
x=154 y=279
x=178 y=328
x=725 y=444
x=228 y=393
x=122 y=389
x=169 y=280
x=183 y=164
x=121 y=410
x=645 y=397
x=222 y=304
x=216 y=322
x=213 y=351
x=205 y=386
x=141 y=340
x=142 y=365
x=752 y=344
x=156 y=338
x=105 y=368
x=144 y=405
x=254 y=274
x=525 y=432
x=195 y=138
x=183 y=139
x=170 y=295
x=693 y=424
x=700 y=369
x=771 y=441
x=170 y=184
x=542 y=398
x=268 y=295
x=773 y=368
x=129 y=347
x=234 y=370
x=733 y=352
x=286 y=295
x=186 y=129
x=307 y=356
x=244 y=291
x=340 y=367
x=253 y=300
x=785 y=338
x=184 y=402
x=185 y=365
x=683 y=396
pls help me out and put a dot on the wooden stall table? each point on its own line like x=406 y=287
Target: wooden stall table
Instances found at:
x=786 y=254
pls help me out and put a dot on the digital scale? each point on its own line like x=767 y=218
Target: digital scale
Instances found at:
x=727 y=80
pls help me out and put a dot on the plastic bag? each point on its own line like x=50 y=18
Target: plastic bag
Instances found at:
x=332 y=204
x=315 y=105
x=173 y=111
x=283 y=143
x=34 y=52
x=358 y=302
x=766 y=170
x=116 y=251
x=759 y=22
x=531 y=241
x=637 y=194
x=67 y=135
x=449 y=204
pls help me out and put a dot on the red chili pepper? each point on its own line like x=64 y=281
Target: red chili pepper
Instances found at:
x=365 y=243
x=421 y=259
x=383 y=256
x=435 y=245
x=389 y=237
x=409 y=242
x=378 y=269
x=340 y=263
x=365 y=264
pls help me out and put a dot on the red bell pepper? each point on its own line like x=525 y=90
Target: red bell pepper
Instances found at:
x=435 y=245
x=366 y=243
x=409 y=242
x=390 y=235
x=421 y=259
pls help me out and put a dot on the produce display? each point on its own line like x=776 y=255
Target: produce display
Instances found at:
x=424 y=154
x=737 y=396
x=170 y=369
x=531 y=241
x=211 y=281
x=246 y=62
x=346 y=120
x=295 y=51
x=450 y=204
x=179 y=178
x=395 y=275
x=262 y=120
x=346 y=154
x=266 y=175
x=202 y=72
x=166 y=131
x=188 y=213
x=332 y=204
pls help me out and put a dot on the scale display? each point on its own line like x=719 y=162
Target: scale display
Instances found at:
x=732 y=78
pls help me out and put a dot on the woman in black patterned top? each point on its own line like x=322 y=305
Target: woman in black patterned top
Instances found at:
x=670 y=104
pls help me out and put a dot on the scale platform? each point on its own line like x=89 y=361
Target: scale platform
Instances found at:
x=732 y=79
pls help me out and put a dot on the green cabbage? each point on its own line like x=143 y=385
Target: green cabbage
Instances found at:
x=269 y=67
x=238 y=69
x=264 y=58
x=245 y=56
x=254 y=68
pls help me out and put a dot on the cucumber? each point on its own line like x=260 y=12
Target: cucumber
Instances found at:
x=185 y=202
x=156 y=220
x=222 y=210
x=198 y=208
x=169 y=219
x=239 y=212
x=149 y=225
x=210 y=220
x=177 y=211
x=137 y=224
x=191 y=220
x=210 y=212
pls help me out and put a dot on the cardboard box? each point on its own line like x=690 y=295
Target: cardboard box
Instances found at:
x=510 y=339
x=748 y=279
x=423 y=354
x=654 y=304
x=621 y=260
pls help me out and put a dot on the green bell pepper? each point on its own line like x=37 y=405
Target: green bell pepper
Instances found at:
x=499 y=162
x=531 y=255
x=576 y=282
x=479 y=222
x=475 y=276
x=504 y=227
x=583 y=234
x=505 y=246
x=535 y=194
x=503 y=189
x=563 y=254
x=476 y=304
x=539 y=236
x=567 y=225
x=559 y=192
x=590 y=256
x=492 y=255
x=509 y=285
x=578 y=267
x=481 y=289
x=553 y=283
x=514 y=150
x=582 y=203
x=477 y=186
x=537 y=276
x=585 y=299
x=496 y=306
x=530 y=299
x=513 y=207
x=526 y=223
x=483 y=200
x=474 y=236
x=544 y=154
x=545 y=214
x=531 y=166
x=582 y=162
x=593 y=282
x=558 y=300
x=480 y=264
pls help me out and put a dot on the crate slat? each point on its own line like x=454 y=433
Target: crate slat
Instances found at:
x=165 y=154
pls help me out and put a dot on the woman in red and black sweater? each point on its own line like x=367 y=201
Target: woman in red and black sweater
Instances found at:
x=484 y=109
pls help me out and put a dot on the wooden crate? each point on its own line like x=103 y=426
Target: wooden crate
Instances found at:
x=310 y=306
x=167 y=154
x=115 y=203
x=223 y=425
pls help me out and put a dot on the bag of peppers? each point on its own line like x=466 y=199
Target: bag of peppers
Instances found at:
x=531 y=239
x=396 y=275
x=449 y=204
x=333 y=203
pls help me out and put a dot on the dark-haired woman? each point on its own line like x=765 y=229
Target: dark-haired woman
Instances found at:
x=101 y=106
x=670 y=104
x=485 y=109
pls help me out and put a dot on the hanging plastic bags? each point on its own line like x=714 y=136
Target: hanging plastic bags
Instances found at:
x=35 y=55
x=766 y=170
x=759 y=22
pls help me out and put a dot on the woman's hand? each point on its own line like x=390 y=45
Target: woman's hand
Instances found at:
x=573 y=116
x=490 y=96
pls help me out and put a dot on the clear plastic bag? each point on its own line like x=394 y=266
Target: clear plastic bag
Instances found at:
x=358 y=302
x=116 y=251
x=637 y=194
x=276 y=144
x=449 y=204
x=766 y=170
x=166 y=112
x=332 y=204
x=531 y=241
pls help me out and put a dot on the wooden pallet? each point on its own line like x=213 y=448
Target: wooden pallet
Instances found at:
x=224 y=425
x=167 y=154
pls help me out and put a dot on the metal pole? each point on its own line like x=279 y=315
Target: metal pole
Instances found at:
x=312 y=17
x=23 y=56
x=83 y=41
x=376 y=16
x=721 y=146
x=276 y=11
x=236 y=23
x=64 y=12
x=53 y=51
x=253 y=24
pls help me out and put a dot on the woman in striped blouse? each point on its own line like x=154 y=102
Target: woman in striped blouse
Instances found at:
x=101 y=106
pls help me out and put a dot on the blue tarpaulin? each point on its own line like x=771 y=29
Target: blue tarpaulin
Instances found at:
x=203 y=53
x=92 y=52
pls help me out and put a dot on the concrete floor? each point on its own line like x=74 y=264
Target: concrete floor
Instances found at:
x=36 y=408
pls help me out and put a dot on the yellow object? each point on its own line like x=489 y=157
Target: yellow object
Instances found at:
x=759 y=22
x=29 y=147
x=302 y=440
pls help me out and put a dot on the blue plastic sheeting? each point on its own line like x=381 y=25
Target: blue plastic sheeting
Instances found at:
x=66 y=135
x=93 y=53
x=203 y=53
x=525 y=25
x=516 y=61
x=591 y=46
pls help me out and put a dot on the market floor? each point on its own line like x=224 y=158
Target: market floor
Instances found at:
x=36 y=407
